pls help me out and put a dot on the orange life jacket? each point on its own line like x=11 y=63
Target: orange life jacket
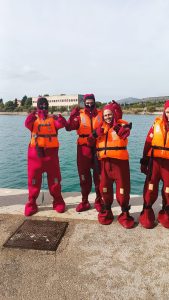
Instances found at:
x=110 y=144
x=44 y=134
x=160 y=141
x=87 y=125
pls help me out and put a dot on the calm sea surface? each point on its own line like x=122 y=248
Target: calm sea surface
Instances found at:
x=14 y=139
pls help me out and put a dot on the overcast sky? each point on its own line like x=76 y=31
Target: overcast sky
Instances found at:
x=112 y=48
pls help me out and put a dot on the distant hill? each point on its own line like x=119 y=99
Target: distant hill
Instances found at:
x=148 y=99
x=129 y=100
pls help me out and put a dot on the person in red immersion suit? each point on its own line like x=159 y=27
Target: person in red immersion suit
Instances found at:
x=43 y=156
x=111 y=148
x=85 y=121
x=155 y=164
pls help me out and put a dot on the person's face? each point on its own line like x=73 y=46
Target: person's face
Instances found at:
x=89 y=102
x=108 y=116
x=167 y=113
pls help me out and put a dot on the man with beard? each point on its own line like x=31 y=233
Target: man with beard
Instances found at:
x=84 y=121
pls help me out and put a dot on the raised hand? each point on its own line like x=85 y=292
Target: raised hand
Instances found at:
x=61 y=120
x=122 y=131
x=75 y=112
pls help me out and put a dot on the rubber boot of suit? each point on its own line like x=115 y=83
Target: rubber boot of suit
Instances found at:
x=105 y=217
x=31 y=208
x=83 y=206
x=98 y=205
x=125 y=219
x=59 y=205
x=147 y=217
x=55 y=190
x=163 y=217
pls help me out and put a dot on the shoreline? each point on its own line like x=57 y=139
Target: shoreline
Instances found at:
x=24 y=113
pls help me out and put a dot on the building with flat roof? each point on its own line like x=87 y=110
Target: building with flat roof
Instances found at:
x=62 y=100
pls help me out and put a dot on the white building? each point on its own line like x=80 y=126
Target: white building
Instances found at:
x=62 y=100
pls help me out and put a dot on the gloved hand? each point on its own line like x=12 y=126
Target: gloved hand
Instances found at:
x=117 y=128
x=144 y=161
x=91 y=141
x=32 y=116
x=129 y=125
x=61 y=120
x=122 y=131
x=55 y=117
x=98 y=132
x=75 y=112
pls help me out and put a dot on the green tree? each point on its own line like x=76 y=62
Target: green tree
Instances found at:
x=19 y=108
x=23 y=100
x=63 y=108
x=151 y=108
x=9 y=106
x=1 y=105
x=28 y=102
x=15 y=103
x=52 y=109
x=99 y=104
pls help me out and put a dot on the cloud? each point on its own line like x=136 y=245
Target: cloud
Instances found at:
x=21 y=73
x=112 y=48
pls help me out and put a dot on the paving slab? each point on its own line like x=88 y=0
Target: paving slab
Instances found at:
x=92 y=261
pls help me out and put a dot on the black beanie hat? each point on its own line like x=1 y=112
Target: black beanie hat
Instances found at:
x=42 y=103
x=88 y=96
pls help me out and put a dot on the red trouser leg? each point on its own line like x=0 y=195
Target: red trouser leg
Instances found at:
x=35 y=170
x=164 y=169
x=121 y=175
x=106 y=183
x=105 y=216
x=96 y=178
x=163 y=215
x=52 y=168
x=84 y=164
x=150 y=192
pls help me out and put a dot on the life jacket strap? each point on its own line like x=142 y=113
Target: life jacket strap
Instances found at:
x=160 y=148
x=43 y=125
x=111 y=148
x=83 y=135
x=47 y=136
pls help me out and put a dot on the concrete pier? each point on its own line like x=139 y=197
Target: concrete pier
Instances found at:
x=92 y=261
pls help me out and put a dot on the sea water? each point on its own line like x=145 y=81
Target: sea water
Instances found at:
x=14 y=140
